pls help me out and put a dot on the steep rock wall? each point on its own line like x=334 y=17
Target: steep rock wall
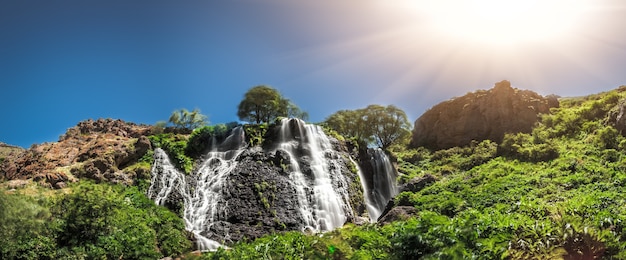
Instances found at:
x=481 y=115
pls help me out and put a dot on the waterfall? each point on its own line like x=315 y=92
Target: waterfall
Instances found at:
x=202 y=201
x=382 y=185
x=310 y=165
x=321 y=187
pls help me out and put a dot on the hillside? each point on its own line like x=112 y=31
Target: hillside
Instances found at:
x=554 y=191
x=7 y=150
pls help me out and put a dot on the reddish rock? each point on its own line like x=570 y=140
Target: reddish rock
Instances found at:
x=482 y=115
x=98 y=150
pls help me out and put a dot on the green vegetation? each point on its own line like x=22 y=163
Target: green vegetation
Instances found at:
x=94 y=221
x=265 y=104
x=554 y=193
x=175 y=146
x=201 y=138
x=186 y=119
x=383 y=126
x=255 y=134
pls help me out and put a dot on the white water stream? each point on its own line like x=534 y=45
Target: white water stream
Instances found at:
x=203 y=201
x=314 y=171
x=323 y=195
x=383 y=186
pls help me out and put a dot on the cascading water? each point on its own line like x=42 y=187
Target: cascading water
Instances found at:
x=321 y=188
x=311 y=172
x=202 y=201
x=382 y=186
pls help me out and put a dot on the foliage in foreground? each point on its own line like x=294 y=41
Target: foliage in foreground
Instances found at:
x=94 y=221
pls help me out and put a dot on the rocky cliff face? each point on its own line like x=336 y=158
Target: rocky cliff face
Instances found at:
x=96 y=149
x=481 y=115
x=298 y=179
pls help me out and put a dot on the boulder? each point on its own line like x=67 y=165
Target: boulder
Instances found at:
x=481 y=115
x=418 y=184
x=397 y=213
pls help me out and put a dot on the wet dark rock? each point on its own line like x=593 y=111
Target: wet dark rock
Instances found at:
x=261 y=199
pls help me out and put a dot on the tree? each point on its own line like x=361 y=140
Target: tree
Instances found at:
x=387 y=124
x=374 y=124
x=183 y=118
x=295 y=111
x=350 y=123
x=264 y=104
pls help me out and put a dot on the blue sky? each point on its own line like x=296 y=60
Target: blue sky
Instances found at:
x=65 y=61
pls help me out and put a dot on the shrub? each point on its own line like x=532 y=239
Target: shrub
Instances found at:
x=102 y=221
x=255 y=134
x=174 y=146
x=26 y=229
x=202 y=138
x=522 y=147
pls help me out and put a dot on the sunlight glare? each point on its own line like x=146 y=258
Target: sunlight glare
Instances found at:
x=502 y=22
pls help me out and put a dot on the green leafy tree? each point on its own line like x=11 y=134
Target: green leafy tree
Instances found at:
x=294 y=111
x=184 y=118
x=387 y=124
x=264 y=104
x=375 y=124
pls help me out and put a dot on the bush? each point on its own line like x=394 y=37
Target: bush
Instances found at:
x=102 y=221
x=174 y=146
x=202 y=138
x=255 y=134
x=26 y=229
x=522 y=147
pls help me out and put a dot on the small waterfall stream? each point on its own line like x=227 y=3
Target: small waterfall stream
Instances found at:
x=202 y=201
x=322 y=190
x=382 y=185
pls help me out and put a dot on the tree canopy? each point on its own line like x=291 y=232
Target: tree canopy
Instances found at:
x=184 y=118
x=264 y=104
x=374 y=124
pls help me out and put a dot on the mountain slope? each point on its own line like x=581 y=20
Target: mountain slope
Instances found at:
x=552 y=192
x=499 y=200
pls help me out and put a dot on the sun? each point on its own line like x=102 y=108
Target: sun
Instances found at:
x=502 y=22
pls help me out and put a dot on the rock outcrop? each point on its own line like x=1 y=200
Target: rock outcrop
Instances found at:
x=97 y=149
x=417 y=184
x=7 y=150
x=481 y=115
x=396 y=214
